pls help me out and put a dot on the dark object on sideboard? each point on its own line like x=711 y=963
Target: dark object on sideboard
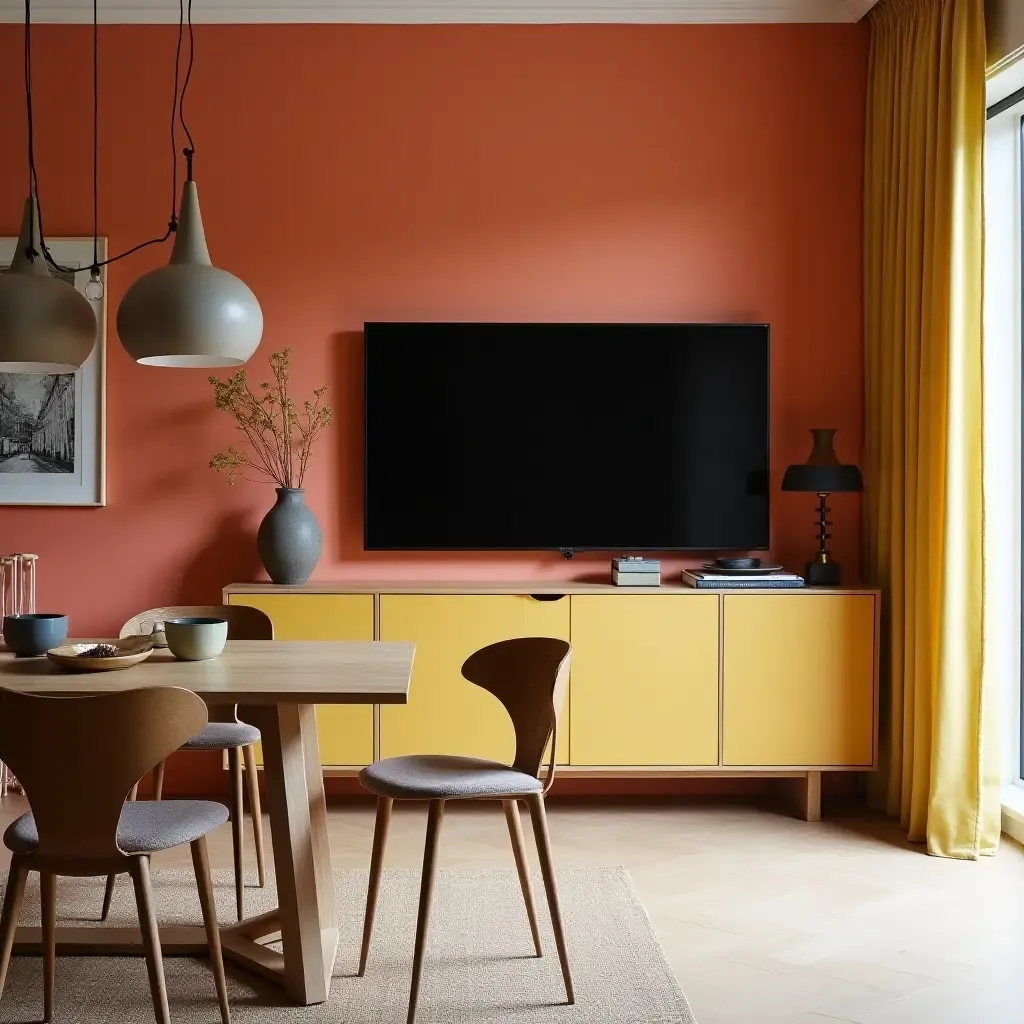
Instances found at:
x=289 y=539
x=823 y=474
x=737 y=563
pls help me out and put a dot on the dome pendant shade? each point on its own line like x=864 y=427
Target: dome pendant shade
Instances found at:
x=46 y=324
x=189 y=313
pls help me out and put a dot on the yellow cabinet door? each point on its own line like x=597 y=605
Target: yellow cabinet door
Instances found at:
x=446 y=713
x=644 y=680
x=799 y=680
x=345 y=731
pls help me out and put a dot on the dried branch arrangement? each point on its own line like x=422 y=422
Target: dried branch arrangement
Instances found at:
x=279 y=433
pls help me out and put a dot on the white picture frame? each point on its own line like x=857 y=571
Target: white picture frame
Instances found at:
x=58 y=475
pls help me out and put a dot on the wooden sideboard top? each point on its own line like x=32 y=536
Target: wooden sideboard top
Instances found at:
x=472 y=587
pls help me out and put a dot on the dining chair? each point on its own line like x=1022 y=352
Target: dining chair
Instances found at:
x=80 y=824
x=529 y=676
x=225 y=733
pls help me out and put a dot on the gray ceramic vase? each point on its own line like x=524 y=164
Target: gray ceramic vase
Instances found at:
x=289 y=539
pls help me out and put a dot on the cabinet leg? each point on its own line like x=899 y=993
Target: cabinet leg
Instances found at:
x=810 y=796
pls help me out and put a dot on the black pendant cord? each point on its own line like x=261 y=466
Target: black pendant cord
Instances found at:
x=95 y=139
x=31 y=252
x=190 y=152
x=174 y=115
x=172 y=225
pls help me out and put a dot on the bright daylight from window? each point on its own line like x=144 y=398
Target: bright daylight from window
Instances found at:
x=1004 y=212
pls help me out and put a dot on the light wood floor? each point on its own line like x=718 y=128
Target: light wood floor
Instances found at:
x=764 y=918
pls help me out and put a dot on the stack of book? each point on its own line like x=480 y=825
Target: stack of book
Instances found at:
x=705 y=579
x=636 y=572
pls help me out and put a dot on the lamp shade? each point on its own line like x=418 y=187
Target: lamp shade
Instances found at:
x=822 y=473
x=189 y=313
x=46 y=324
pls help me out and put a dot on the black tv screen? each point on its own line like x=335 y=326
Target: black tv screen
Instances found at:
x=650 y=437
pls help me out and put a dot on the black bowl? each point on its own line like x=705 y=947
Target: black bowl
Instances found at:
x=738 y=563
x=32 y=635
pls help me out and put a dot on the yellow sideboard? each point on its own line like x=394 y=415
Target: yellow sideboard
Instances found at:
x=664 y=682
x=644 y=680
x=795 y=680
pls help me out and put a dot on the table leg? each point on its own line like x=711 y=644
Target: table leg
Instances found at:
x=305 y=917
x=317 y=804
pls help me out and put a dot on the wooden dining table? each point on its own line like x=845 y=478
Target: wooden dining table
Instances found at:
x=277 y=685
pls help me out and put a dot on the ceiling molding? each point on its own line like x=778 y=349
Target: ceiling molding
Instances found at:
x=859 y=8
x=444 y=11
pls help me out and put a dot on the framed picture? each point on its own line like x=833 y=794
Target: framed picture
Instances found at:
x=52 y=426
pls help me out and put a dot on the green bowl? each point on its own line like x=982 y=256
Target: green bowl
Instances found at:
x=196 y=638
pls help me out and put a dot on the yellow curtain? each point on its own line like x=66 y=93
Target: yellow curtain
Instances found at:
x=924 y=239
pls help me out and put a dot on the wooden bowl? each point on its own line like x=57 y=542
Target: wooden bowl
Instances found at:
x=134 y=648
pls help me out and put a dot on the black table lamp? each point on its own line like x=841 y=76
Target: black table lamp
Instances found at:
x=823 y=474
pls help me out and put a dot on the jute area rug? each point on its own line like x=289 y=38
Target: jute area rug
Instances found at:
x=480 y=964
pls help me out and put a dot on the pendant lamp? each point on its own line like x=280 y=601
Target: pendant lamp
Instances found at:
x=189 y=313
x=46 y=324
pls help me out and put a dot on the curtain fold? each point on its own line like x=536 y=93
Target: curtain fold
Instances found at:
x=924 y=240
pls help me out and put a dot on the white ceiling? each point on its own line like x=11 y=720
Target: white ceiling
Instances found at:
x=447 y=11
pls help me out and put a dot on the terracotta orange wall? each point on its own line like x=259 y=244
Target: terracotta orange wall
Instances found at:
x=524 y=173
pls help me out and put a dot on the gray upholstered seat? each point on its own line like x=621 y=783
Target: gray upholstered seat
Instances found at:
x=224 y=736
x=146 y=826
x=445 y=777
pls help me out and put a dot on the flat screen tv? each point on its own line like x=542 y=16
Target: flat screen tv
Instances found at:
x=626 y=437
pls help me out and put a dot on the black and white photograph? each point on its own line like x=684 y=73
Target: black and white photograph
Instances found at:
x=51 y=425
x=37 y=423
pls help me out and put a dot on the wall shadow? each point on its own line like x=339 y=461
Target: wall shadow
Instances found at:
x=347 y=362
x=228 y=554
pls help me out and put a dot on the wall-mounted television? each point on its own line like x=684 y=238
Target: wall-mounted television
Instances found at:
x=535 y=436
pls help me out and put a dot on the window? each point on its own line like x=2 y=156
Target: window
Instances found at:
x=1004 y=426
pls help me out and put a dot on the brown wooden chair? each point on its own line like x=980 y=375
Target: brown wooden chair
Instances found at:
x=529 y=677
x=224 y=732
x=76 y=782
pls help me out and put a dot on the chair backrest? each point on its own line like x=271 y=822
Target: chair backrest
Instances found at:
x=78 y=757
x=529 y=676
x=244 y=623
